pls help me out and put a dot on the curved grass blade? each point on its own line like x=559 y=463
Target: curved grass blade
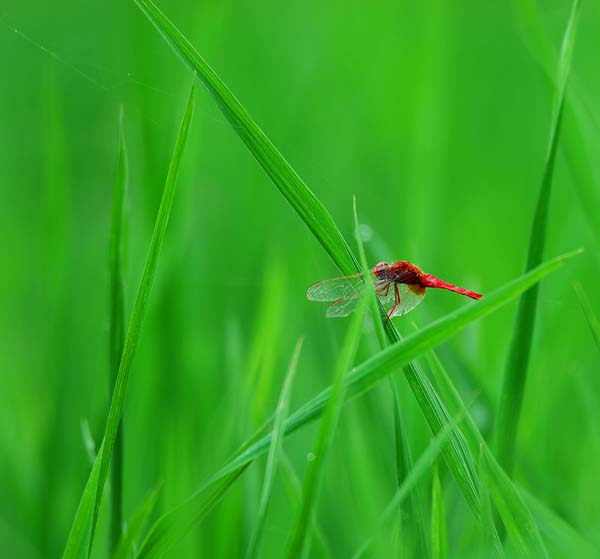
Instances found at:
x=93 y=492
x=174 y=525
x=76 y=546
x=511 y=395
x=439 y=544
x=258 y=378
x=561 y=536
x=126 y=545
x=293 y=487
x=403 y=460
x=274 y=453
x=373 y=303
x=369 y=372
x=301 y=534
x=165 y=531
x=422 y=465
x=457 y=456
x=489 y=536
x=517 y=519
x=293 y=188
x=590 y=316
x=318 y=220
x=117 y=326
x=578 y=112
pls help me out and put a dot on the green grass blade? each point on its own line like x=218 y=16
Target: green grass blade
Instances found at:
x=133 y=334
x=578 y=112
x=174 y=525
x=117 y=326
x=375 y=308
x=489 y=535
x=456 y=454
x=76 y=546
x=439 y=544
x=562 y=538
x=414 y=515
x=301 y=533
x=367 y=374
x=511 y=395
x=590 y=316
x=300 y=197
x=517 y=518
x=325 y=230
x=258 y=377
x=403 y=461
x=318 y=220
x=422 y=465
x=166 y=531
x=293 y=487
x=274 y=453
x=132 y=532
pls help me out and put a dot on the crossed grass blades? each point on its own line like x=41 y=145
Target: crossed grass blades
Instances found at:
x=176 y=523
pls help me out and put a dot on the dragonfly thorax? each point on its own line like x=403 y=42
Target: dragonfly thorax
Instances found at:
x=380 y=268
x=402 y=272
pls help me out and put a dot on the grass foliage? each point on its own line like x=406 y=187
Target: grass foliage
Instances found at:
x=93 y=491
x=274 y=453
x=117 y=324
x=299 y=545
x=511 y=395
x=232 y=448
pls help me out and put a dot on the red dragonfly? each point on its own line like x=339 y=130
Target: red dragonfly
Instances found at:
x=400 y=287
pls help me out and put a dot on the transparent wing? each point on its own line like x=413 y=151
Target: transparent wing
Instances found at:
x=347 y=305
x=343 y=307
x=336 y=288
x=345 y=294
x=410 y=296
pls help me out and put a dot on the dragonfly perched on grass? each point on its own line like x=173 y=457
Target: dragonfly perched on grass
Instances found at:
x=399 y=286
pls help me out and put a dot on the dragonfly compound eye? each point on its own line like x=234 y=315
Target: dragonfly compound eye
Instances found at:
x=381 y=266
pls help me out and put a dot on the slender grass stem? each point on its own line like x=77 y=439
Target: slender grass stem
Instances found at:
x=515 y=376
x=117 y=327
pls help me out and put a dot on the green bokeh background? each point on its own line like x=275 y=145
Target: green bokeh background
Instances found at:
x=435 y=114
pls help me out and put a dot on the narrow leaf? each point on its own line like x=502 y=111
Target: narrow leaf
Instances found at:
x=511 y=395
x=361 y=379
x=92 y=494
x=133 y=531
x=489 y=535
x=519 y=523
x=76 y=547
x=457 y=454
x=301 y=198
x=439 y=544
x=561 y=536
x=422 y=465
x=117 y=326
x=318 y=220
x=293 y=487
x=301 y=533
x=579 y=113
x=174 y=525
x=590 y=316
x=376 y=314
x=365 y=376
x=274 y=453
x=403 y=460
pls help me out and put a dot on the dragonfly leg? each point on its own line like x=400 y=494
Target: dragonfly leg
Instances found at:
x=383 y=290
x=396 y=301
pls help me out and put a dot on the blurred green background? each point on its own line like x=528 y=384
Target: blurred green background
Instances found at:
x=435 y=114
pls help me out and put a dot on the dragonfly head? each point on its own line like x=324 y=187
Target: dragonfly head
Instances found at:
x=379 y=268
